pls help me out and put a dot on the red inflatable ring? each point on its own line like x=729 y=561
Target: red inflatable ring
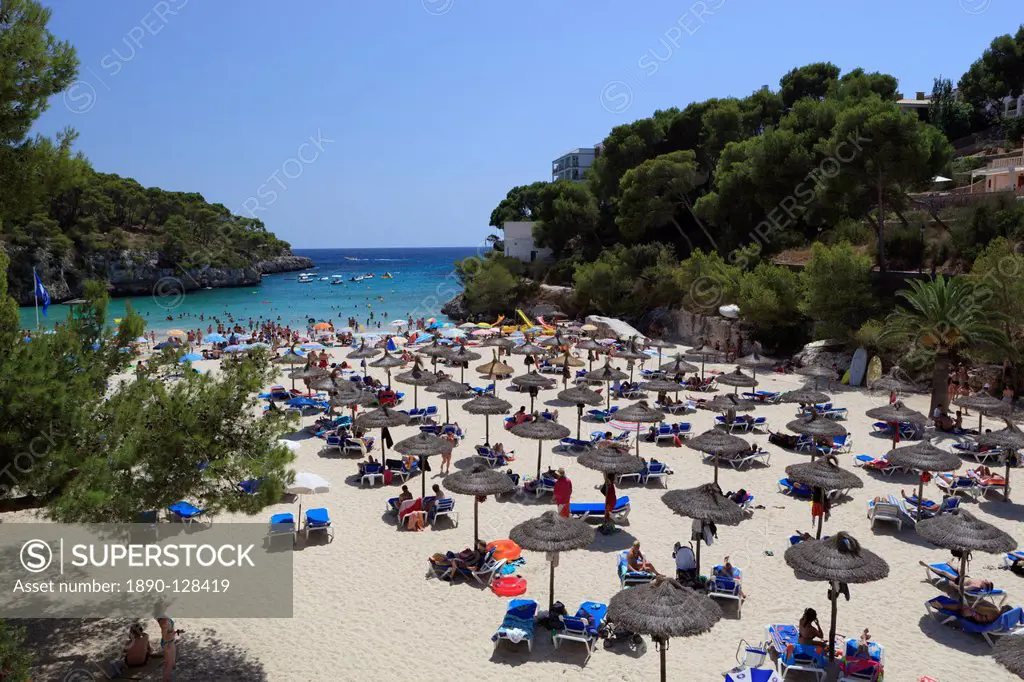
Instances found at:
x=509 y=586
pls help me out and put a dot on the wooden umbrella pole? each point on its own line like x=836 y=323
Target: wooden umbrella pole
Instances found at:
x=832 y=627
x=579 y=419
x=476 y=521
x=447 y=415
x=551 y=588
x=960 y=580
x=415 y=397
x=487 y=429
x=538 y=460
x=1006 y=476
x=423 y=481
x=662 y=648
x=716 y=468
x=920 y=495
x=700 y=538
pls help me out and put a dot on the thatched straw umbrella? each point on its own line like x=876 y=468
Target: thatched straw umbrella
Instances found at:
x=566 y=361
x=805 y=395
x=423 y=445
x=329 y=383
x=839 y=559
x=961 y=531
x=986 y=405
x=706 y=504
x=678 y=366
x=630 y=354
x=500 y=342
x=487 y=405
x=823 y=475
x=704 y=352
x=660 y=344
x=923 y=456
x=387 y=362
x=593 y=348
x=478 y=481
x=363 y=352
x=730 y=401
x=435 y=351
x=756 y=361
x=816 y=372
x=382 y=418
x=416 y=377
x=533 y=380
x=896 y=414
x=290 y=357
x=555 y=341
x=528 y=348
x=640 y=413
x=606 y=374
x=463 y=356
x=611 y=461
x=446 y=390
x=310 y=372
x=552 y=533
x=736 y=378
x=493 y=369
x=581 y=396
x=816 y=426
x=663 y=609
x=1011 y=439
x=1009 y=652
x=540 y=430
x=351 y=396
x=717 y=443
x=662 y=386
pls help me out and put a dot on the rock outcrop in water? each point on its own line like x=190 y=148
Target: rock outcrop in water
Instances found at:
x=132 y=273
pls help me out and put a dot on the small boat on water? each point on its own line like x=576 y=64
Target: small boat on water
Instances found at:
x=387 y=275
x=325 y=279
x=306 y=277
x=356 y=279
x=368 y=275
x=337 y=279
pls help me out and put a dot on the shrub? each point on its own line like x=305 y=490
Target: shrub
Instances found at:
x=837 y=290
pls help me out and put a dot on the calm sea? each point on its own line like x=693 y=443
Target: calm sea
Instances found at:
x=423 y=280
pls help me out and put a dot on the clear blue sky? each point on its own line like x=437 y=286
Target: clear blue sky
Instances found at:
x=437 y=108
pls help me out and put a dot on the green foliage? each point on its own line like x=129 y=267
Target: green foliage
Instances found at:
x=854 y=232
x=34 y=66
x=9 y=316
x=152 y=443
x=131 y=327
x=947 y=112
x=812 y=80
x=15 y=661
x=970 y=237
x=769 y=298
x=565 y=212
x=654 y=192
x=871 y=335
x=493 y=284
x=998 y=275
x=838 y=294
x=629 y=280
x=997 y=73
x=905 y=247
x=1015 y=131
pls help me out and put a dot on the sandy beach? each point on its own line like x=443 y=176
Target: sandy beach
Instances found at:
x=364 y=607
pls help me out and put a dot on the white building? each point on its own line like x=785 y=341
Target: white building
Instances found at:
x=573 y=164
x=1013 y=107
x=519 y=242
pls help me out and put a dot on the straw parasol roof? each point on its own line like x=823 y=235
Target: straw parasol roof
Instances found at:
x=463 y=354
x=290 y=357
x=806 y=395
x=498 y=342
x=1010 y=438
x=962 y=531
x=495 y=368
x=308 y=373
x=736 y=378
x=729 y=401
x=381 y=418
x=824 y=473
x=540 y=430
x=533 y=379
x=924 y=456
x=591 y=344
x=435 y=350
x=550 y=532
x=659 y=385
x=630 y=353
x=566 y=359
x=606 y=373
x=1009 y=652
x=528 y=349
x=554 y=341
x=329 y=383
x=640 y=412
x=663 y=609
x=704 y=351
x=346 y=396
x=982 y=402
x=897 y=413
x=816 y=425
x=679 y=366
x=756 y=361
x=658 y=343
x=580 y=395
x=716 y=442
x=704 y=503
x=447 y=386
x=487 y=404
x=423 y=445
x=387 y=361
x=478 y=481
x=839 y=558
x=891 y=383
x=364 y=352
x=417 y=376
x=611 y=461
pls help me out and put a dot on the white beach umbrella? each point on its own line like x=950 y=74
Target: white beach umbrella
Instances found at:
x=307 y=484
x=399 y=323
x=940 y=178
x=293 y=446
x=468 y=325
x=453 y=333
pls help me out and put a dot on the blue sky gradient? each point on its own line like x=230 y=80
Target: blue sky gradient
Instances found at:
x=427 y=112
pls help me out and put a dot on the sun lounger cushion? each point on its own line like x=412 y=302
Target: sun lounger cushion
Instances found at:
x=318 y=517
x=1007 y=622
x=185 y=510
x=590 y=508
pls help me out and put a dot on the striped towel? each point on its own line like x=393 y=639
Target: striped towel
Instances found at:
x=626 y=426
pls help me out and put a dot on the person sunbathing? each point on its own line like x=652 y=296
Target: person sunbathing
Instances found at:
x=635 y=560
x=927 y=505
x=404 y=496
x=739 y=497
x=370 y=461
x=978 y=585
x=727 y=570
x=809 y=629
x=981 y=613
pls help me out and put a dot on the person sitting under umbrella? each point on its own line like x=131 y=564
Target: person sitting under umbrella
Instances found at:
x=404 y=496
x=636 y=561
x=926 y=505
x=608 y=441
x=727 y=570
x=369 y=461
x=499 y=451
x=809 y=629
x=518 y=418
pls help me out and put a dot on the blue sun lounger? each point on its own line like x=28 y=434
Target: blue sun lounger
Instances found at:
x=788 y=487
x=628 y=578
x=186 y=512
x=318 y=520
x=946 y=575
x=592 y=510
x=281 y=524
x=517 y=626
x=795 y=656
x=946 y=611
x=584 y=626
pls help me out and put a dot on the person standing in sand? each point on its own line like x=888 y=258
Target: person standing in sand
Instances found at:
x=562 y=493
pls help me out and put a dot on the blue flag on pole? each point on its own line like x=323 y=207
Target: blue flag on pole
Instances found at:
x=41 y=294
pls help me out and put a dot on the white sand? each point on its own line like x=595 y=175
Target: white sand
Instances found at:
x=365 y=610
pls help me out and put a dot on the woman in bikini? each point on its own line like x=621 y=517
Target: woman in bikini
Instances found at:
x=168 y=644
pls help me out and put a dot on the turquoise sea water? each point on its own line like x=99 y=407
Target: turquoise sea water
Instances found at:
x=424 y=279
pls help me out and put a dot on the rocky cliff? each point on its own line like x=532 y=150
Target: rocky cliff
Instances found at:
x=130 y=273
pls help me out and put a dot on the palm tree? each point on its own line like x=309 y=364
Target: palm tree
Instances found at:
x=945 y=316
